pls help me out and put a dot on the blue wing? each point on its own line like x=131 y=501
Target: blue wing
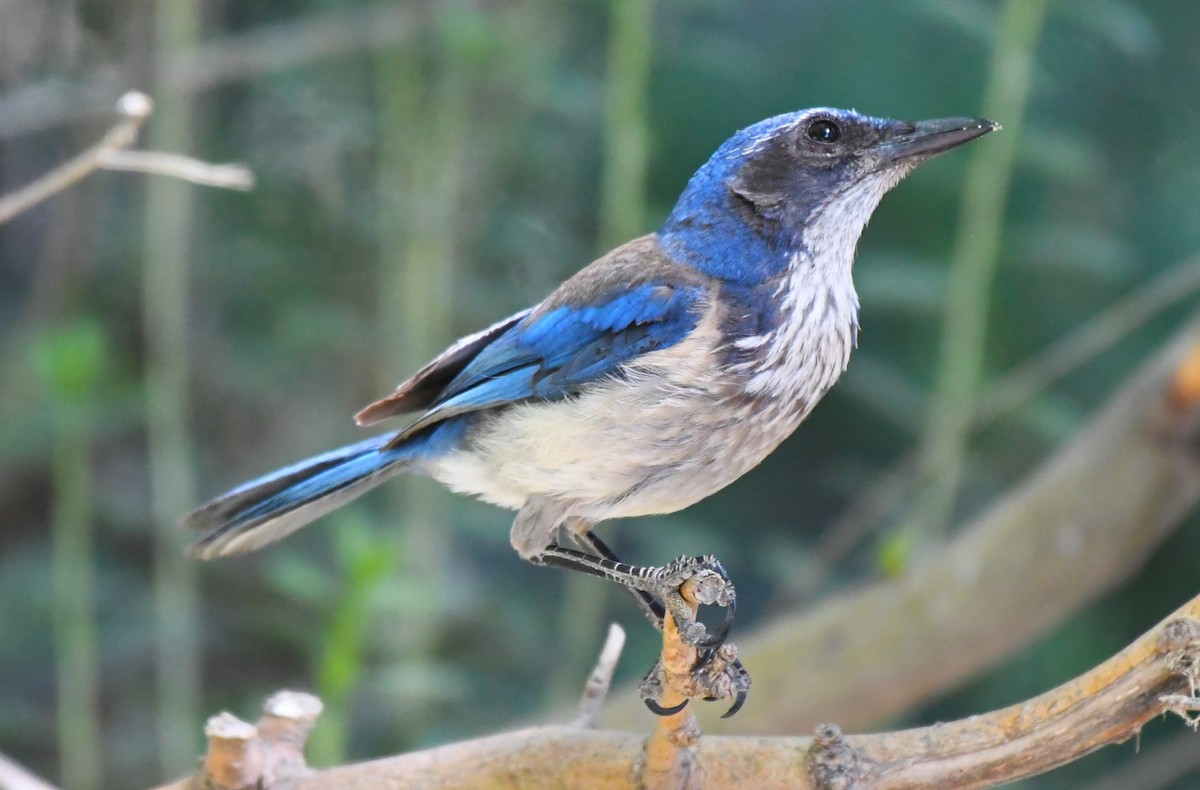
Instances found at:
x=609 y=314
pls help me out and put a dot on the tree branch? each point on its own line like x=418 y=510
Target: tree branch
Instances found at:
x=598 y=684
x=186 y=168
x=668 y=758
x=133 y=108
x=1156 y=674
x=109 y=154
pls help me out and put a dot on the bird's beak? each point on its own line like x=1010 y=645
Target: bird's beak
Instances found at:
x=926 y=139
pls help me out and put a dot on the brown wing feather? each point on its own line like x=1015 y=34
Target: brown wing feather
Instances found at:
x=420 y=391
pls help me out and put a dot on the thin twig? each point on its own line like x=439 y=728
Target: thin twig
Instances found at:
x=224 y=176
x=134 y=108
x=109 y=154
x=598 y=684
x=669 y=756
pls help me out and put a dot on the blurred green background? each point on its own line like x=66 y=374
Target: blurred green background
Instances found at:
x=426 y=168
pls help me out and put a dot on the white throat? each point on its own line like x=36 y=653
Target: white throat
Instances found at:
x=803 y=356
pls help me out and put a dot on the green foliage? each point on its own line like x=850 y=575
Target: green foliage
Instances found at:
x=364 y=569
x=70 y=360
x=895 y=552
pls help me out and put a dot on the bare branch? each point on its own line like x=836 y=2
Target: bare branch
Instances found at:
x=596 y=690
x=669 y=756
x=109 y=154
x=1107 y=705
x=224 y=176
x=134 y=108
x=264 y=754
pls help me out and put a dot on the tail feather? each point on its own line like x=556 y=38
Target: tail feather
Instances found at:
x=272 y=507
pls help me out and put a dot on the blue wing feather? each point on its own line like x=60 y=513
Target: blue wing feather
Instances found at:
x=557 y=349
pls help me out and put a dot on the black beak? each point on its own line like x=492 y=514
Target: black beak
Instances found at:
x=926 y=139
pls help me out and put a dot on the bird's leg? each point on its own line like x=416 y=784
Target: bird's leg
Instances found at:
x=718 y=673
x=728 y=677
x=650 y=607
x=662 y=582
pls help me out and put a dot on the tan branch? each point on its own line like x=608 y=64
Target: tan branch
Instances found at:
x=1110 y=704
x=133 y=108
x=596 y=690
x=186 y=168
x=669 y=755
x=268 y=753
x=110 y=154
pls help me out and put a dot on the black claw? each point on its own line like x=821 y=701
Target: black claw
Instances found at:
x=657 y=610
x=711 y=699
x=659 y=710
x=737 y=705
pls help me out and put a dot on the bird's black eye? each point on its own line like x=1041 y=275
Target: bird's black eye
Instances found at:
x=823 y=131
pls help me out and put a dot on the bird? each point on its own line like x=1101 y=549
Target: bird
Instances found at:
x=649 y=380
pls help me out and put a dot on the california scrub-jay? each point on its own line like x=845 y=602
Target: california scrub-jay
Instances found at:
x=652 y=378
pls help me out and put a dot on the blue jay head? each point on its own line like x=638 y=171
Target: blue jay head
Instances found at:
x=788 y=180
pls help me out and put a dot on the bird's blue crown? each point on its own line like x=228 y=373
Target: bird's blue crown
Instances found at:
x=705 y=231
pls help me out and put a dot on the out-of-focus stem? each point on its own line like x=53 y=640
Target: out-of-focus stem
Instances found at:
x=168 y=235
x=74 y=612
x=623 y=194
x=422 y=164
x=973 y=264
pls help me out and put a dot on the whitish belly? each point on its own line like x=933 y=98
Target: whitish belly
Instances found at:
x=628 y=449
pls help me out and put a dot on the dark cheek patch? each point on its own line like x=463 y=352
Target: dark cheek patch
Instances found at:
x=782 y=186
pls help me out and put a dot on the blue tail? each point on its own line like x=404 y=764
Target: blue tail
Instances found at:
x=272 y=507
